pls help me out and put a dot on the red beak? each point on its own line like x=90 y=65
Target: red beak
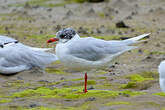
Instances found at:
x=52 y=40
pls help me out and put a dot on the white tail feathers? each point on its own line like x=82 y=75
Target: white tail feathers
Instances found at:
x=135 y=39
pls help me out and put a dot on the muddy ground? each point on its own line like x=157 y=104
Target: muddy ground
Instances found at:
x=132 y=81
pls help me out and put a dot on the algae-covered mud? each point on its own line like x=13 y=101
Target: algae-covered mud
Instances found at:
x=130 y=83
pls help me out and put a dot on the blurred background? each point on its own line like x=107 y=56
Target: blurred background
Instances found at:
x=132 y=81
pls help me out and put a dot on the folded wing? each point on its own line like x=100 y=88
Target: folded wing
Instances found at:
x=18 y=57
x=96 y=49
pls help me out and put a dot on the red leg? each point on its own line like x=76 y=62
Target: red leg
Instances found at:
x=85 y=83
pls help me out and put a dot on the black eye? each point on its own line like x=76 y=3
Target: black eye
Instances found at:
x=62 y=36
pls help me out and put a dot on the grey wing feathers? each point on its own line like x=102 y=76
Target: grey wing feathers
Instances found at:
x=11 y=69
x=18 y=56
x=23 y=55
x=95 y=49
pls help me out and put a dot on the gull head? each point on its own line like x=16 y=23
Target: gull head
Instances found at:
x=63 y=36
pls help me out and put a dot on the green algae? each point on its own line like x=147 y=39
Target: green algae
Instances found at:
x=139 y=80
x=102 y=77
x=25 y=108
x=10 y=107
x=94 y=93
x=134 y=105
x=55 y=71
x=157 y=53
x=159 y=94
x=77 y=79
x=137 y=85
x=2 y=30
x=84 y=106
x=71 y=93
x=163 y=108
x=130 y=85
x=43 y=108
x=101 y=72
x=78 y=1
x=80 y=83
x=153 y=104
x=153 y=52
x=7 y=14
x=132 y=93
x=45 y=3
x=103 y=86
x=58 y=61
x=101 y=14
x=54 y=83
x=118 y=103
x=149 y=74
x=42 y=3
x=17 y=84
x=89 y=82
x=30 y=92
x=5 y=100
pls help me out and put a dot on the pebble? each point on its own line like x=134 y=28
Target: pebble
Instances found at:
x=43 y=81
x=49 y=9
x=91 y=99
x=140 y=51
x=19 y=78
x=91 y=87
x=69 y=13
x=32 y=105
x=27 y=5
x=129 y=17
x=91 y=11
x=113 y=66
x=62 y=78
x=41 y=32
x=121 y=24
x=36 y=6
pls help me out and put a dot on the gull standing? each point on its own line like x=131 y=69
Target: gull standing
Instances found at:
x=161 y=70
x=16 y=57
x=89 y=53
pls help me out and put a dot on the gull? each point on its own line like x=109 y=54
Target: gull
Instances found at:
x=161 y=70
x=89 y=53
x=16 y=57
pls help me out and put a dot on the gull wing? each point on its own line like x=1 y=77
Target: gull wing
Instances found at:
x=93 y=49
x=7 y=69
x=18 y=54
